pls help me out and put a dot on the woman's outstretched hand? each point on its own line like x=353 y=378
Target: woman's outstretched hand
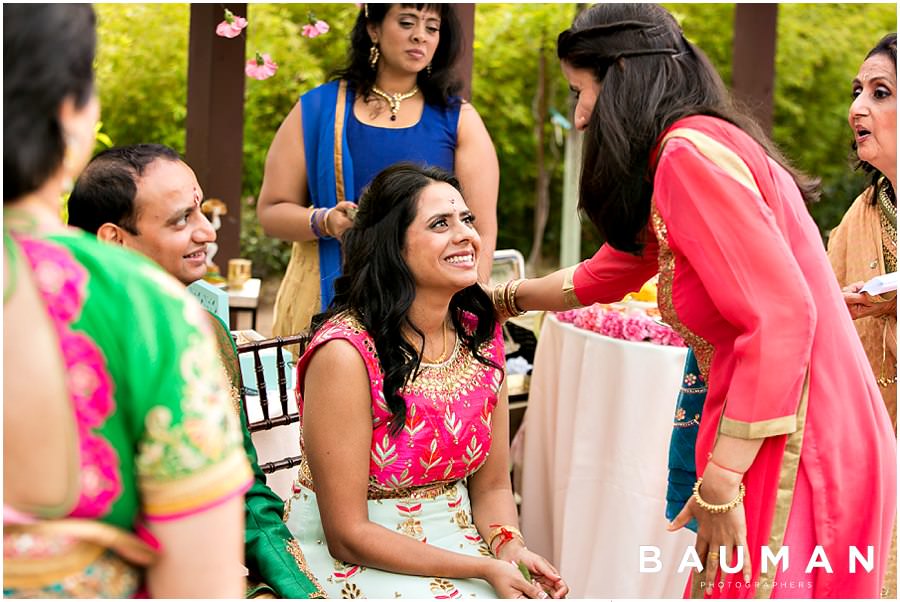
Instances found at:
x=719 y=536
x=339 y=219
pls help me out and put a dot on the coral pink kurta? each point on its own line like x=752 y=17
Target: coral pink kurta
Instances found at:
x=745 y=279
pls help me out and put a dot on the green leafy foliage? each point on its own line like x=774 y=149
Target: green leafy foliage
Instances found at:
x=141 y=72
x=142 y=79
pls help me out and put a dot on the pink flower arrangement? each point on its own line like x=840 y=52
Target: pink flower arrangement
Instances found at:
x=315 y=27
x=261 y=67
x=232 y=26
x=611 y=322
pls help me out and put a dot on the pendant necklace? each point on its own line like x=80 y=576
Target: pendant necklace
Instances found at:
x=394 y=100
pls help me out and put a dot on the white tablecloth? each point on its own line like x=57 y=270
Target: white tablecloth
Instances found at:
x=595 y=451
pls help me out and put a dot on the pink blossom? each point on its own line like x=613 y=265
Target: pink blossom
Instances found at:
x=315 y=29
x=634 y=328
x=664 y=335
x=567 y=316
x=611 y=324
x=232 y=26
x=261 y=67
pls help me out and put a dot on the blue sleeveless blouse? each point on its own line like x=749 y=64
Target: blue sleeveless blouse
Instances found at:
x=431 y=141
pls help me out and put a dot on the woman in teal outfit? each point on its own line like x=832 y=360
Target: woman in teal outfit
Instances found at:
x=122 y=461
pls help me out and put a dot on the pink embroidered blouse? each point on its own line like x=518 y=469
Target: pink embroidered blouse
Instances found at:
x=447 y=433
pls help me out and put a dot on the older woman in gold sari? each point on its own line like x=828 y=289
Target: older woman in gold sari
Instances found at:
x=864 y=245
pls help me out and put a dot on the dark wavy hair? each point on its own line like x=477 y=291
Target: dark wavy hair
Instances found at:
x=888 y=47
x=651 y=76
x=439 y=88
x=106 y=189
x=377 y=287
x=48 y=55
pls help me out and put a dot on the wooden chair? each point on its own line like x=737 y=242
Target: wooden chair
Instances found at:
x=286 y=417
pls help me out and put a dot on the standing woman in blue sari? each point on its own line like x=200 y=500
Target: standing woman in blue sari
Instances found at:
x=395 y=100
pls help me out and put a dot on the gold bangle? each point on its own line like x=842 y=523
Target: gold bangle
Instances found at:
x=507 y=303
x=497 y=300
x=717 y=508
x=513 y=290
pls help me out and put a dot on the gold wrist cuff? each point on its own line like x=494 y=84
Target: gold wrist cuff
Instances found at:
x=717 y=508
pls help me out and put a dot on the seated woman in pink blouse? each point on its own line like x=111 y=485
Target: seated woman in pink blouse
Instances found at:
x=404 y=488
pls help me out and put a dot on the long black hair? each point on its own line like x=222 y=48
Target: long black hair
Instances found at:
x=48 y=55
x=378 y=288
x=651 y=77
x=888 y=47
x=439 y=88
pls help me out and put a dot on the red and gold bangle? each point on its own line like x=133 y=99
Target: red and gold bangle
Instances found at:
x=505 y=533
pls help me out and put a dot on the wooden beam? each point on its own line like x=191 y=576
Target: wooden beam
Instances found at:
x=753 y=67
x=466 y=15
x=215 y=118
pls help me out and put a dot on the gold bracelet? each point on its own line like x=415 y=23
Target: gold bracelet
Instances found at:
x=507 y=300
x=497 y=300
x=717 y=508
x=513 y=289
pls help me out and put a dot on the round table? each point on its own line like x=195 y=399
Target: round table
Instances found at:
x=594 y=462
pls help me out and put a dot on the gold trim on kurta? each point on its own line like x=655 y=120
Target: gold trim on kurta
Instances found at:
x=732 y=164
x=338 y=142
x=293 y=548
x=568 y=289
x=784 y=497
x=723 y=157
x=760 y=429
x=703 y=349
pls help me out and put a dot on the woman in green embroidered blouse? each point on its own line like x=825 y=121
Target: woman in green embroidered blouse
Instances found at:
x=123 y=468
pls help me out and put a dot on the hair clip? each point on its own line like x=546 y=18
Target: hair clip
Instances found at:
x=366 y=9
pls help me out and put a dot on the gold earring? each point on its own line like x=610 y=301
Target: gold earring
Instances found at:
x=428 y=69
x=373 y=55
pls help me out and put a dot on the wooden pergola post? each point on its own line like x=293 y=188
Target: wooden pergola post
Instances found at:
x=215 y=118
x=753 y=64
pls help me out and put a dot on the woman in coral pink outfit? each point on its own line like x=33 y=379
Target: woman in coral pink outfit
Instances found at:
x=795 y=449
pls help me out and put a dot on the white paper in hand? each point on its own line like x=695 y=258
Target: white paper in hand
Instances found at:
x=880 y=284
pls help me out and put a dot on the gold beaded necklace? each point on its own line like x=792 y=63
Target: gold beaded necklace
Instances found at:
x=394 y=100
x=888 y=214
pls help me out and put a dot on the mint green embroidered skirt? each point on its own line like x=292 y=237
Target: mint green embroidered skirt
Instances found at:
x=443 y=518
